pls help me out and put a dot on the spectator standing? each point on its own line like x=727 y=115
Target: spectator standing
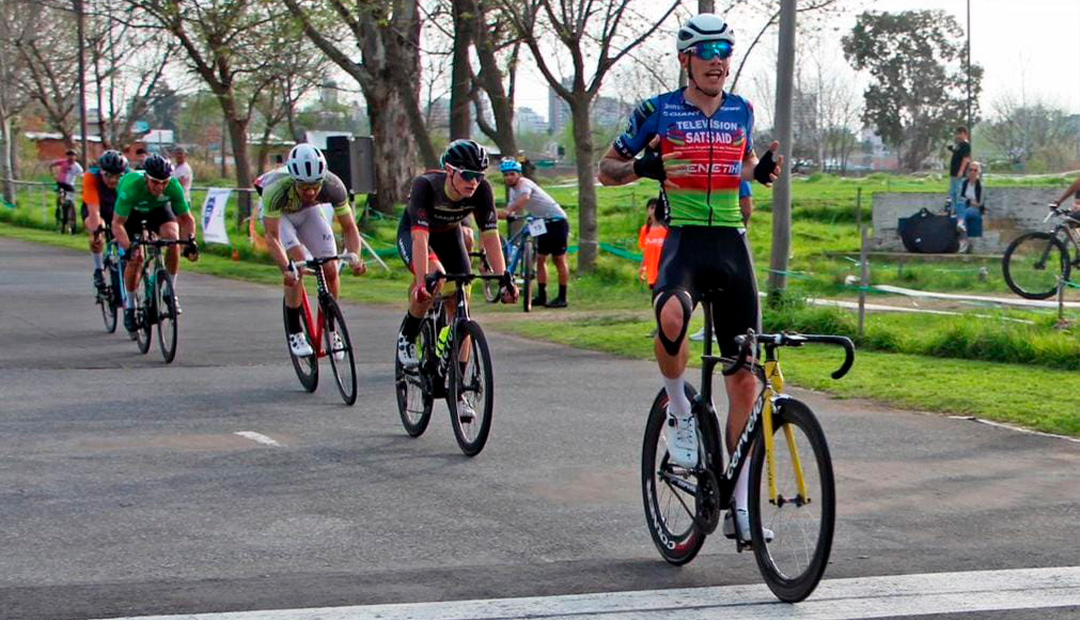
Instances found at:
x=651 y=242
x=961 y=157
x=182 y=171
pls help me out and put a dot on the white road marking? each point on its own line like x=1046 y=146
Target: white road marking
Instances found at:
x=835 y=599
x=258 y=438
x=1011 y=427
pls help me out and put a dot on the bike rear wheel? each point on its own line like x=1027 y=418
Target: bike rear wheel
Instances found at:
x=168 y=327
x=1033 y=263
x=345 y=368
x=472 y=384
x=794 y=561
x=669 y=510
x=307 y=368
x=414 y=399
x=527 y=272
x=108 y=308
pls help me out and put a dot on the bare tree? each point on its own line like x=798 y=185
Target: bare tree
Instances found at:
x=13 y=22
x=497 y=48
x=226 y=45
x=387 y=34
x=48 y=48
x=1031 y=130
x=604 y=32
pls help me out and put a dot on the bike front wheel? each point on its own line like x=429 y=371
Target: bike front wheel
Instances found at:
x=168 y=328
x=307 y=368
x=1033 y=263
x=794 y=560
x=108 y=308
x=340 y=347
x=669 y=510
x=471 y=394
x=414 y=399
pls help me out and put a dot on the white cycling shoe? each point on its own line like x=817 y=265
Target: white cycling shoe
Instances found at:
x=338 y=346
x=406 y=352
x=744 y=526
x=682 y=440
x=299 y=346
x=465 y=411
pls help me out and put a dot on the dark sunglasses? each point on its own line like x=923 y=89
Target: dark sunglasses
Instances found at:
x=712 y=49
x=470 y=175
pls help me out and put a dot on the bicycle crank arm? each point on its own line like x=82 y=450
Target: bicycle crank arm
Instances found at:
x=679 y=482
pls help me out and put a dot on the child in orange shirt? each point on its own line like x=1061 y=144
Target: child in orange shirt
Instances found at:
x=651 y=241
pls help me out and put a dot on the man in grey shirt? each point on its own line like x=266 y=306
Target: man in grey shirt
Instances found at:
x=527 y=196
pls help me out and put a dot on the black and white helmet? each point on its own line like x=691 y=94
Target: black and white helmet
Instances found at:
x=702 y=28
x=466 y=155
x=158 y=167
x=306 y=164
x=112 y=162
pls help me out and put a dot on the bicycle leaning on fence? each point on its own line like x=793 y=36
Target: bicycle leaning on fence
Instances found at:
x=1037 y=263
x=156 y=303
x=785 y=448
x=455 y=364
x=330 y=322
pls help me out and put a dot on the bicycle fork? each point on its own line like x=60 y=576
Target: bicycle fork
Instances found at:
x=776 y=381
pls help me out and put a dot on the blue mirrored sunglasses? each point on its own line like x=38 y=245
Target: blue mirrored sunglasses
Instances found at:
x=712 y=49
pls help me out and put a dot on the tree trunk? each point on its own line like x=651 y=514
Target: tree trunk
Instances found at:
x=583 y=151
x=241 y=162
x=5 y=159
x=464 y=25
x=395 y=150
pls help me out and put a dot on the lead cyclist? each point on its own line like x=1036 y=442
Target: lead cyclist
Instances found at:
x=699 y=145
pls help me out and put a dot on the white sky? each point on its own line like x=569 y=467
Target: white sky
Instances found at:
x=1027 y=48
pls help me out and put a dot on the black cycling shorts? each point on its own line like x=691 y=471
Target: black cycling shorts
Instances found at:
x=714 y=261
x=153 y=218
x=553 y=242
x=448 y=246
x=105 y=212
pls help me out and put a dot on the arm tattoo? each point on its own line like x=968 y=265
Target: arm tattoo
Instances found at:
x=619 y=171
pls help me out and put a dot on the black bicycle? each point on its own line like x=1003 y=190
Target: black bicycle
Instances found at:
x=317 y=330
x=455 y=364
x=65 y=209
x=786 y=450
x=156 y=303
x=1036 y=263
x=110 y=295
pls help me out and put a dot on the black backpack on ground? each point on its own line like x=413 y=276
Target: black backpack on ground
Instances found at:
x=927 y=233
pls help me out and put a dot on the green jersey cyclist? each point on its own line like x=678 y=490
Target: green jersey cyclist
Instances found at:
x=297 y=229
x=699 y=143
x=430 y=237
x=153 y=197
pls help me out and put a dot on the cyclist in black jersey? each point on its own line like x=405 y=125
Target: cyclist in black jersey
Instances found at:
x=430 y=237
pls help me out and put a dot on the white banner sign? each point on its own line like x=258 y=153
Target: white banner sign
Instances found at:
x=213 y=216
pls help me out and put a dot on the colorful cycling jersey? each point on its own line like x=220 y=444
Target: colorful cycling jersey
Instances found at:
x=133 y=195
x=96 y=192
x=714 y=147
x=280 y=196
x=431 y=209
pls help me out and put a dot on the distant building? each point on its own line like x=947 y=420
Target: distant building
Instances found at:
x=526 y=120
x=606 y=111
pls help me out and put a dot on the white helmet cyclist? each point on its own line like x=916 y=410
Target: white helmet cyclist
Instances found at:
x=702 y=28
x=306 y=164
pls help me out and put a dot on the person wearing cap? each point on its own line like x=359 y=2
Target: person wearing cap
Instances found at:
x=182 y=171
x=152 y=198
x=526 y=195
x=67 y=170
x=698 y=144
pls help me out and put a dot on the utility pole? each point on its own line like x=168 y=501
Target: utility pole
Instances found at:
x=80 y=17
x=781 y=210
x=970 y=128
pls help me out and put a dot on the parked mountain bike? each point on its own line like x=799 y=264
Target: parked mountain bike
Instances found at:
x=520 y=253
x=110 y=295
x=791 y=478
x=455 y=364
x=483 y=267
x=1036 y=263
x=156 y=304
x=65 y=209
x=327 y=334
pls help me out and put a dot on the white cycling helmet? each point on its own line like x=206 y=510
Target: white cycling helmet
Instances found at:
x=306 y=164
x=701 y=28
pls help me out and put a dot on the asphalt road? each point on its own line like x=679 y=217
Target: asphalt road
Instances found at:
x=125 y=490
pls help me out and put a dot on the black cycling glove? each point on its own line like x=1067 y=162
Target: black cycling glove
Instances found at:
x=506 y=284
x=765 y=166
x=650 y=166
x=191 y=251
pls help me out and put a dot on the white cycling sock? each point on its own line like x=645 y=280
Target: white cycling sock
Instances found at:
x=129 y=301
x=742 y=486
x=99 y=260
x=678 y=403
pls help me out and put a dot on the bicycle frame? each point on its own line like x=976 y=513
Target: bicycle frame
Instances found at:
x=315 y=323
